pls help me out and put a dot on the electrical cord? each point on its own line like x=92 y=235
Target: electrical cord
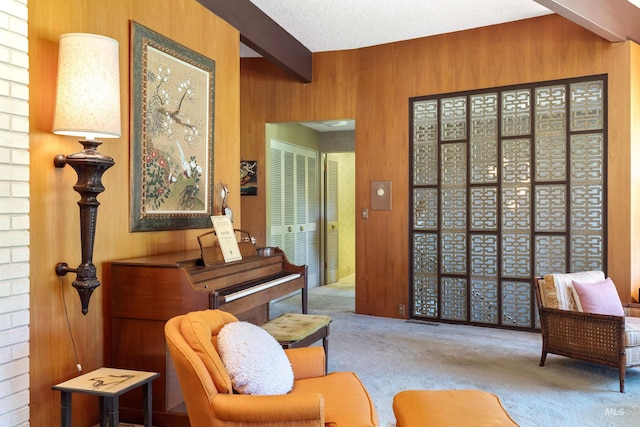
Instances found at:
x=66 y=316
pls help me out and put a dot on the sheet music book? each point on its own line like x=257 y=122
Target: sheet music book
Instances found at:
x=226 y=237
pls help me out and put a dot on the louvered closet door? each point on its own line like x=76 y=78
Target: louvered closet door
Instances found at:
x=293 y=200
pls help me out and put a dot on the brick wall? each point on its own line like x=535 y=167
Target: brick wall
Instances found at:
x=14 y=214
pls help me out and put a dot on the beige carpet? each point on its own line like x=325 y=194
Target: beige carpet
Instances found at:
x=390 y=355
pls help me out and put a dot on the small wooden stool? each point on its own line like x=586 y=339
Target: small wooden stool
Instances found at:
x=294 y=330
x=444 y=408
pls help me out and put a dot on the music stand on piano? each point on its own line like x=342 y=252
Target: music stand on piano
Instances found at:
x=210 y=248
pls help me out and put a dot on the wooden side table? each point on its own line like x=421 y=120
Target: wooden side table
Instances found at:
x=108 y=384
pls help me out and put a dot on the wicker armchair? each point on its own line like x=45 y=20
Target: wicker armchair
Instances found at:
x=603 y=339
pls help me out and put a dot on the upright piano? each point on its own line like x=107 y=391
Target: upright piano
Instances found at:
x=148 y=291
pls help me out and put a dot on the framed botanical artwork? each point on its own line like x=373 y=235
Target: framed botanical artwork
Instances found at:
x=172 y=110
x=248 y=178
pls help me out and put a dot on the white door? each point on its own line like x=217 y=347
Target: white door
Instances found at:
x=292 y=175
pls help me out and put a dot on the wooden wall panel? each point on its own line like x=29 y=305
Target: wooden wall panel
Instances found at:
x=278 y=97
x=373 y=85
x=634 y=129
x=55 y=226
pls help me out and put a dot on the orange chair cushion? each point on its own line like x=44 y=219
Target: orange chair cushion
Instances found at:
x=445 y=408
x=346 y=401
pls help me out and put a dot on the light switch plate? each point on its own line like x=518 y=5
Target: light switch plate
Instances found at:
x=381 y=195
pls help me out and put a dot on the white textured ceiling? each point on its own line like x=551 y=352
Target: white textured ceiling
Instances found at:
x=326 y=25
x=331 y=125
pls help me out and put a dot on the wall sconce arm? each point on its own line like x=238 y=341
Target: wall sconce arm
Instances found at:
x=89 y=165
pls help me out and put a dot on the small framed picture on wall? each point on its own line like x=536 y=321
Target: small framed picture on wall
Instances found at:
x=248 y=178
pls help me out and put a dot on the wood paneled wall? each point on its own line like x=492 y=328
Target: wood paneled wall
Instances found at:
x=634 y=227
x=55 y=230
x=276 y=95
x=373 y=85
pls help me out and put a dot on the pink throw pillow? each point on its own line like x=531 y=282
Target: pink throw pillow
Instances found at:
x=598 y=297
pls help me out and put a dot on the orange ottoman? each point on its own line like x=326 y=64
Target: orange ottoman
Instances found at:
x=460 y=408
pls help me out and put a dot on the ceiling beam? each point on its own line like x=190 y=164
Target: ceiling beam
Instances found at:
x=613 y=20
x=265 y=36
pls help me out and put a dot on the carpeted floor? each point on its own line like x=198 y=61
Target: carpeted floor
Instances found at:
x=390 y=355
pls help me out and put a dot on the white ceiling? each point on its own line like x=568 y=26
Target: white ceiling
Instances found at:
x=327 y=25
x=331 y=125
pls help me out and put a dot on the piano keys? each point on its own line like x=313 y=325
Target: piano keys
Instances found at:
x=148 y=291
x=245 y=290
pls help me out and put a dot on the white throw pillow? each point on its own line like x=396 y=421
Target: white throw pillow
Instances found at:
x=255 y=361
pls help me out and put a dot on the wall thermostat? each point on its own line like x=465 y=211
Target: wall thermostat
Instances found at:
x=381 y=195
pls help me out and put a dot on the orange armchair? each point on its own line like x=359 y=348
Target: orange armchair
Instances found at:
x=337 y=399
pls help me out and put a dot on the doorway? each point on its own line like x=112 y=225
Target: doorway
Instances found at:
x=335 y=143
x=339 y=219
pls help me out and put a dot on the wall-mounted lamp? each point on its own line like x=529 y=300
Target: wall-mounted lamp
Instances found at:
x=88 y=106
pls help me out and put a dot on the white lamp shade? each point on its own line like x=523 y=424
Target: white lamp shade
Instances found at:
x=88 y=91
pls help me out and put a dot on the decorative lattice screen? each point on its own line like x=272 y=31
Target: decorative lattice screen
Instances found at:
x=506 y=184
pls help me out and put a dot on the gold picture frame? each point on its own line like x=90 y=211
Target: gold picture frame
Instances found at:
x=172 y=110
